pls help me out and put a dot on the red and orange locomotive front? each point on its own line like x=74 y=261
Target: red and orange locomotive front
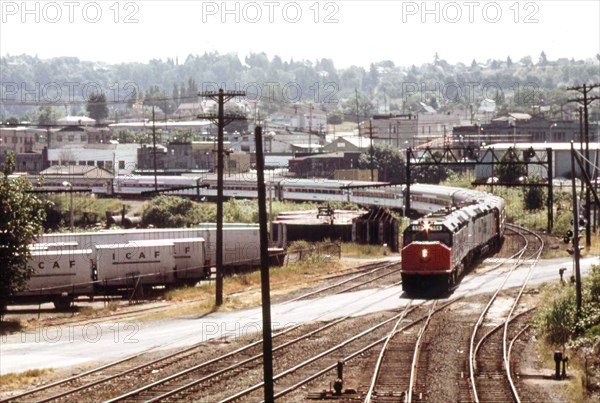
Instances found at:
x=427 y=257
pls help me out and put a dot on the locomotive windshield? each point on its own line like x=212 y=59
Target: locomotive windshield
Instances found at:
x=442 y=235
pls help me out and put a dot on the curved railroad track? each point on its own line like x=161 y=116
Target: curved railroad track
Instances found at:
x=489 y=366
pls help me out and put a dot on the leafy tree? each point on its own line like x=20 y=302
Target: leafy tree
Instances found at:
x=387 y=160
x=125 y=136
x=506 y=172
x=12 y=121
x=543 y=61
x=133 y=98
x=534 y=197
x=21 y=219
x=430 y=174
x=47 y=115
x=335 y=118
x=365 y=106
x=171 y=212
x=96 y=106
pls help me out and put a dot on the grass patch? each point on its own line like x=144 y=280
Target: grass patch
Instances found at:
x=243 y=290
x=15 y=380
x=362 y=251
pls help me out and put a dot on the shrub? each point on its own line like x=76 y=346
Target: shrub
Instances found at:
x=171 y=211
x=558 y=320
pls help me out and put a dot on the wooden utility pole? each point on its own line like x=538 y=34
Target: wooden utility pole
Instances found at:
x=264 y=270
x=585 y=100
x=576 y=233
x=310 y=109
x=371 y=150
x=358 y=120
x=221 y=97
x=154 y=148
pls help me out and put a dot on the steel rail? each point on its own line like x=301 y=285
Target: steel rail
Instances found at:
x=360 y=351
x=472 y=356
x=415 y=361
x=380 y=360
x=228 y=355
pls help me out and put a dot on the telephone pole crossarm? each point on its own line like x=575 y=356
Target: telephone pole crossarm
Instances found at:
x=221 y=97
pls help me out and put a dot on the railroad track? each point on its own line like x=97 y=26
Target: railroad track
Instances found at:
x=367 y=275
x=207 y=381
x=489 y=364
x=396 y=377
x=93 y=381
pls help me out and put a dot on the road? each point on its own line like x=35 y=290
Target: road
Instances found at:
x=56 y=347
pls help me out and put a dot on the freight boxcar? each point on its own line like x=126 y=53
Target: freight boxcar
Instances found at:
x=123 y=266
x=58 y=276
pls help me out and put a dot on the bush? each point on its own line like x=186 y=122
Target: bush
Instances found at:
x=594 y=281
x=558 y=320
x=534 y=198
x=171 y=212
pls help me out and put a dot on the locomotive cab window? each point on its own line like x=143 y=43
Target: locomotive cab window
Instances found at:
x=431 y=236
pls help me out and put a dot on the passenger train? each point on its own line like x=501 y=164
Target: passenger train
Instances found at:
x=458 y=226
x=440 y=247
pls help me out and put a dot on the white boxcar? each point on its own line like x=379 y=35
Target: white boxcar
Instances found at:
x=60 y=274
x=122 y=265
x=240 y=241
x=191 y=262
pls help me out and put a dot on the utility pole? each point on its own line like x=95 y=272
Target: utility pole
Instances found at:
x=154 y=148
x=264 y=270
x=576 y=234
x=221 y=97
x=585 y=101
x=358 y=121
x=371 y=150
x=310 y=109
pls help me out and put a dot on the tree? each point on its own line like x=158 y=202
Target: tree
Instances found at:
x=12 y=121
x=534 y=197
x=133 y=98
x=365 y=107
x=507 y=172
x=96 y=107
x=387 y=160
x=171 y=212
x=48 y=115
x=335 y=118
x=21 y=220
x=430 y=174
x=543 y=60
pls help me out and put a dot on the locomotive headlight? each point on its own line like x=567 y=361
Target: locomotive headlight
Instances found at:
x=424 y=253
x=426 y=225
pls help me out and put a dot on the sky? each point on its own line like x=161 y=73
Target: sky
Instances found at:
x=349 y=32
